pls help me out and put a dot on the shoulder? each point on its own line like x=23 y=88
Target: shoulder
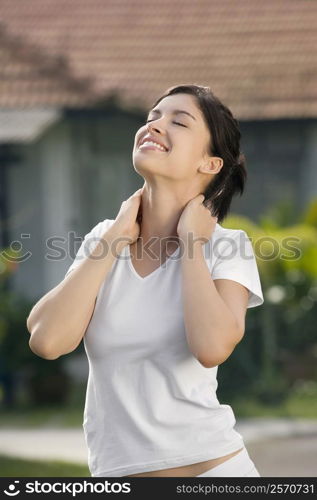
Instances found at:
x=223 y=237
x=225 y=231
x=100 y=227
x=227 y=245
x=232 y=257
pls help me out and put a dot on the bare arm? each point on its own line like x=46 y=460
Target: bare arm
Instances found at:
x=214 y=314
x=58 y=321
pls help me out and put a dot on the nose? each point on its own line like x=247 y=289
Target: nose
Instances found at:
x=157 y=126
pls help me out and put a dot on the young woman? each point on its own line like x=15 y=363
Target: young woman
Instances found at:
x=160 y=299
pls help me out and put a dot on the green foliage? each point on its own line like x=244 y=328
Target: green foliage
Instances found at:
x=9 y=263
x=301 y=403
x=15 y=467
x=310 y=215
x=46 y=380
x=14 y=334
x=280 y=342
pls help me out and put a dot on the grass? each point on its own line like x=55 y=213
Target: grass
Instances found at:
x=16 y=467
x=41 y=417
x=25 y=414
x=302 y=403
x=294 y=407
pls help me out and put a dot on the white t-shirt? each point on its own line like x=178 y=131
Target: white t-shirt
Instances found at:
x=150 y=404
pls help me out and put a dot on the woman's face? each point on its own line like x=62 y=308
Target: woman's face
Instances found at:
x=178 y=124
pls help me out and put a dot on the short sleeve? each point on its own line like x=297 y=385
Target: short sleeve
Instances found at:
x=235 y=260
x=89 y=242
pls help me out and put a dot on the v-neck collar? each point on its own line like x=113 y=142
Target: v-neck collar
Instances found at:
x=156 y=271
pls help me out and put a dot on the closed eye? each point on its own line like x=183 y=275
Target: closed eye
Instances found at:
x=177 y=123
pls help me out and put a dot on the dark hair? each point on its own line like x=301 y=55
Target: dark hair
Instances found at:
x=224 y=142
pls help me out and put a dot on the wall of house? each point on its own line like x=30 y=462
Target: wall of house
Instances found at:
x=72 y=177
x=281 y=163
x=103 y=173
x=26 y=220
x=41 y=206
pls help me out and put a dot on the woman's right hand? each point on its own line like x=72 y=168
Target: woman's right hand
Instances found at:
x=126 y=226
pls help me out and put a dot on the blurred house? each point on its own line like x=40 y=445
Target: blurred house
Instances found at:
x=77 y=78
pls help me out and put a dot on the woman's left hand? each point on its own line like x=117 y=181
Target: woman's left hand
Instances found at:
x=196 y=219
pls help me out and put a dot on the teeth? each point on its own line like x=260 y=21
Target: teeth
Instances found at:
x=151 y=143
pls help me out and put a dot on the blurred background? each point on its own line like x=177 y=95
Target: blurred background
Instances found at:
x=77 y=79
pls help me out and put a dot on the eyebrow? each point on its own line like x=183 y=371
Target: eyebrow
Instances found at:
x=174 y=112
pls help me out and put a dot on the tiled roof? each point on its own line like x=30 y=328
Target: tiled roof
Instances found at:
x=31 y=78
x=259 y=57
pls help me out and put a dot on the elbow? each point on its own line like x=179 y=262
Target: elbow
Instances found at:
x=30 y=320
x=221 y=354
x=211 y=362
x=216 y=358
x=28 y=324
x=41 y=350
x=238 y=335
x=43 y=353
x=207 y=363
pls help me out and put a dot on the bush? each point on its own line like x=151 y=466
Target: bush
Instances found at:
x=45 y=380
x=280 y=341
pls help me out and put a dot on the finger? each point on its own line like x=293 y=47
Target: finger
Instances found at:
x=199 y=198
x=138 y=192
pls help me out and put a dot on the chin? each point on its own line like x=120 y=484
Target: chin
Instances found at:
x=145 y=164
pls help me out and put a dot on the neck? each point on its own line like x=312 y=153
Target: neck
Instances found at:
x=161 y=210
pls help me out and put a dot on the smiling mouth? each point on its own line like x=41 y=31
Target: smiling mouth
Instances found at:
x=152 y=145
